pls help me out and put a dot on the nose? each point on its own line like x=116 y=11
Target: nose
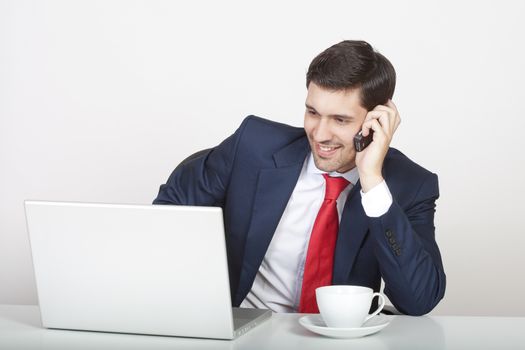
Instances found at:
x=322 y=131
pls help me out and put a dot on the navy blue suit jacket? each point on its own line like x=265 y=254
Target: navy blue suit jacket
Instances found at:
x=252 y=174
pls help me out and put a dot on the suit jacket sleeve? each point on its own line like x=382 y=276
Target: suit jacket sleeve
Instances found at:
x=407 y=252
x=203 y=178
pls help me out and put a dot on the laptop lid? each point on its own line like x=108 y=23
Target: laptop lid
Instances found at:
x=147 y=269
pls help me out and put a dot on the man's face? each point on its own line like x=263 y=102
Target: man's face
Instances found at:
x=331 y=120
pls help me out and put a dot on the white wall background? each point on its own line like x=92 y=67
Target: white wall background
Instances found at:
x=99 y=100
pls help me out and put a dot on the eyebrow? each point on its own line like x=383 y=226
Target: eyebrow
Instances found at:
x=344 y=116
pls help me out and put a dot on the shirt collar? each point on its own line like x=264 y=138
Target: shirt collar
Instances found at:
x=351 y=175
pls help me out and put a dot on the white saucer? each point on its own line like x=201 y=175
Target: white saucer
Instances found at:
x=316 y=324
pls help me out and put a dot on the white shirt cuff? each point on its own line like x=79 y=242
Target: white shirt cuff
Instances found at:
x=376 y=201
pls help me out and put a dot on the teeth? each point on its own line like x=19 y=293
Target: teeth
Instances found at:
x=326 y=149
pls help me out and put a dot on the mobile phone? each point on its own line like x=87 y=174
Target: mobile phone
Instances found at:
x=361 y=142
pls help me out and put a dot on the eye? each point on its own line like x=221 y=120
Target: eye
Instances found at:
x=341 y=120
x=312 y=112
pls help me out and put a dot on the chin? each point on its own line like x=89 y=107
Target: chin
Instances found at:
x=325 y=165
x=331 y=166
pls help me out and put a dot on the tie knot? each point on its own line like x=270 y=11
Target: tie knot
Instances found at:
x=334 y=186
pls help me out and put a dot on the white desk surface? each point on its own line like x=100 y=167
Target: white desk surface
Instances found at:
x=20 y=328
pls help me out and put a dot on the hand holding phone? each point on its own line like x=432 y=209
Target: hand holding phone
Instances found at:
x=361 y=142
x=384 y=119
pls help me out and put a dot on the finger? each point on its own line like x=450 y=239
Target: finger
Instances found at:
x=397 y=122
x=374 y=114
x=372 y=124
x=385 y=108
x=385 y=121
x=382 y=116
x=392 y=105
x=393 y=114
x=366 y=126
x=377 y=127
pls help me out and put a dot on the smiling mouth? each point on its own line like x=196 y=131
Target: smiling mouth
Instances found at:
x=326 y=151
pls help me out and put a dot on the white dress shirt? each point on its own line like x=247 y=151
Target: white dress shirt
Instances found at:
x=278 y=282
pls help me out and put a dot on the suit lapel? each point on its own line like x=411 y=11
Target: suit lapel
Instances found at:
x=352 y=230
x=274 y=188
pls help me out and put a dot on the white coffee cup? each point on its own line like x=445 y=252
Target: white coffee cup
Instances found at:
x=346 y=306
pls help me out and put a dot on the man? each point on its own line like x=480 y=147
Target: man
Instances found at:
x=303 y=209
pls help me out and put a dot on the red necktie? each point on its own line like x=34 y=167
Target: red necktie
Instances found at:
x=320 y=256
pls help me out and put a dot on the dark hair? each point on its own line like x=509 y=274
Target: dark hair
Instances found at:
x=353 y=64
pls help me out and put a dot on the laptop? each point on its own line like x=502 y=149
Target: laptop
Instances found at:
x=143 y=269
